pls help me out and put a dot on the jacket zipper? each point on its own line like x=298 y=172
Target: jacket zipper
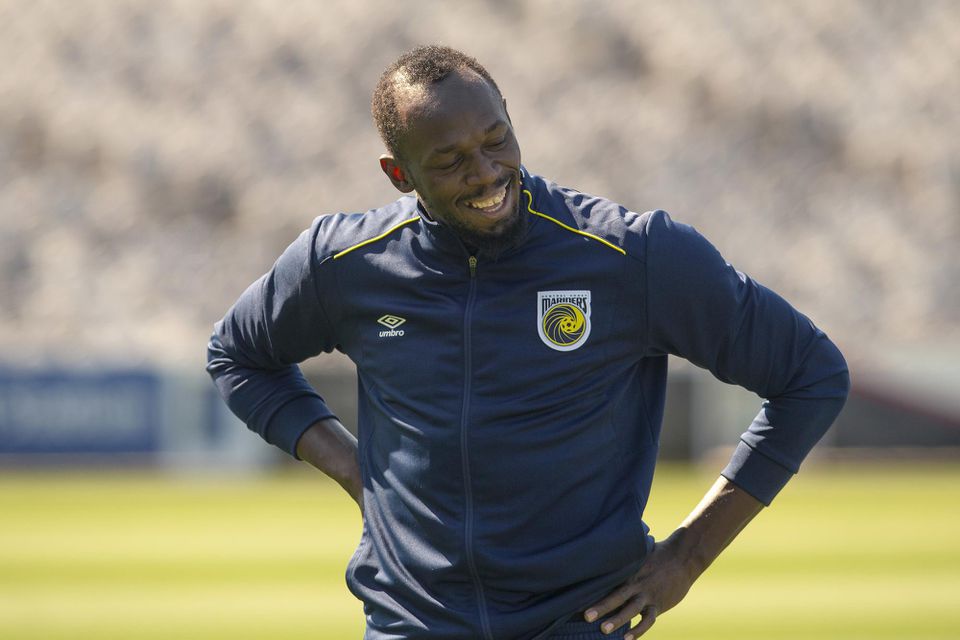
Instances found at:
x=464 y=455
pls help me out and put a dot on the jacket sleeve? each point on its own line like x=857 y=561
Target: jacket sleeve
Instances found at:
x=253 y=353
x=702 y=309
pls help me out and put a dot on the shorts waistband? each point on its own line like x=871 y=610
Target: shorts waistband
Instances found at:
x=577 y=629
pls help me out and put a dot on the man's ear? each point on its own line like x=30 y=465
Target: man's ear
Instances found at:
x=396 y=175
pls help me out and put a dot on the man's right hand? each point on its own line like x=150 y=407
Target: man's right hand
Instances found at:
x=328 y=446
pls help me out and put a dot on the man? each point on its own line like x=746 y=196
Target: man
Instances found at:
x=511 y=340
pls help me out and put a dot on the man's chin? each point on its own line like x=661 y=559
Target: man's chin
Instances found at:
x=506 y=234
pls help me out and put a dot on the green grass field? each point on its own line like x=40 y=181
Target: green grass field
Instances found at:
x=845 y=552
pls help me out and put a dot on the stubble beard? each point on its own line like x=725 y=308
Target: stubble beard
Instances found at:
x=492 y=245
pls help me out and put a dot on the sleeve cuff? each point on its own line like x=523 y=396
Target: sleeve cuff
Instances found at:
x=293 y=419
x=756 y=474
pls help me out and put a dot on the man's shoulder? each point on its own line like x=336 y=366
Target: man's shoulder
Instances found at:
x=652 y=237
x=337 y=234
x=594 y=216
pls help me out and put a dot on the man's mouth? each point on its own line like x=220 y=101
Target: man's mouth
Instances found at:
x=491 y=203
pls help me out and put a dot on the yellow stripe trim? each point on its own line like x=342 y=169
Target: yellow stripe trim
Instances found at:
x=375 y=238
x=568 y=228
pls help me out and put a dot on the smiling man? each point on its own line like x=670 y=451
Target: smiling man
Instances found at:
x=451 y=140
x=511 y=340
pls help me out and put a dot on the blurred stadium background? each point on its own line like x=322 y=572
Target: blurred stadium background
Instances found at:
x=155 y=158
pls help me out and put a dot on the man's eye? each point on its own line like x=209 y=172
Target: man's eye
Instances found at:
x=499 y=144
x=450 y=165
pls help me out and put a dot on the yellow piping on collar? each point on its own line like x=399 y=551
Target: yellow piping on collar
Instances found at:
x=569 y=228
x=375 y=238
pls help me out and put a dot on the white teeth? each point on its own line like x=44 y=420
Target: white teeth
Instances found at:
x=489 y=202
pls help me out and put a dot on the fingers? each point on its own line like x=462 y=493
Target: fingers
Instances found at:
x=633 y=607
x=627 y=607
x=608 y=604
x=649 y=617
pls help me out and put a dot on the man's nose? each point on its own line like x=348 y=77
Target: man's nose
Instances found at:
x=483 y=171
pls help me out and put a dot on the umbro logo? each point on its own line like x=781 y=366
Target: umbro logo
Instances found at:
x=391 y=322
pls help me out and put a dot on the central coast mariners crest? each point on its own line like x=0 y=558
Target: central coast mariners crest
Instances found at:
x=563 y=318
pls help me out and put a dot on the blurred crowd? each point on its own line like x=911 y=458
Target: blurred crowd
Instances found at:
x=156 y=157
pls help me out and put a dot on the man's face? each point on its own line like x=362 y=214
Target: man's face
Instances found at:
x=459 y=153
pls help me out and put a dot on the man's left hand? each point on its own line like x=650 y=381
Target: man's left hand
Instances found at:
x=661 y=583
x=674 y=564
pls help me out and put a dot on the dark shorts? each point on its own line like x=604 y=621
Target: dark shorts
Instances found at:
x=576 y=629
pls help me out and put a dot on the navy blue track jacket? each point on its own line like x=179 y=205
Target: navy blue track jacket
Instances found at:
x=510 y=410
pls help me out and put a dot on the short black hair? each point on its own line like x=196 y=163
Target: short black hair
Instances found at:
x=421 y=66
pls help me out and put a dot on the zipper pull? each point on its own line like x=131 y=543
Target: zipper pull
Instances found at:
x=473 y=266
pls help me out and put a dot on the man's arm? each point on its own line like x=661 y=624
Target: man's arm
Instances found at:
x=701 y=309
x=676 y=563
x=253 y=353
x=328 y=446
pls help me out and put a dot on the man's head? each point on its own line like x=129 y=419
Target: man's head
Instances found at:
x=449 y=138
